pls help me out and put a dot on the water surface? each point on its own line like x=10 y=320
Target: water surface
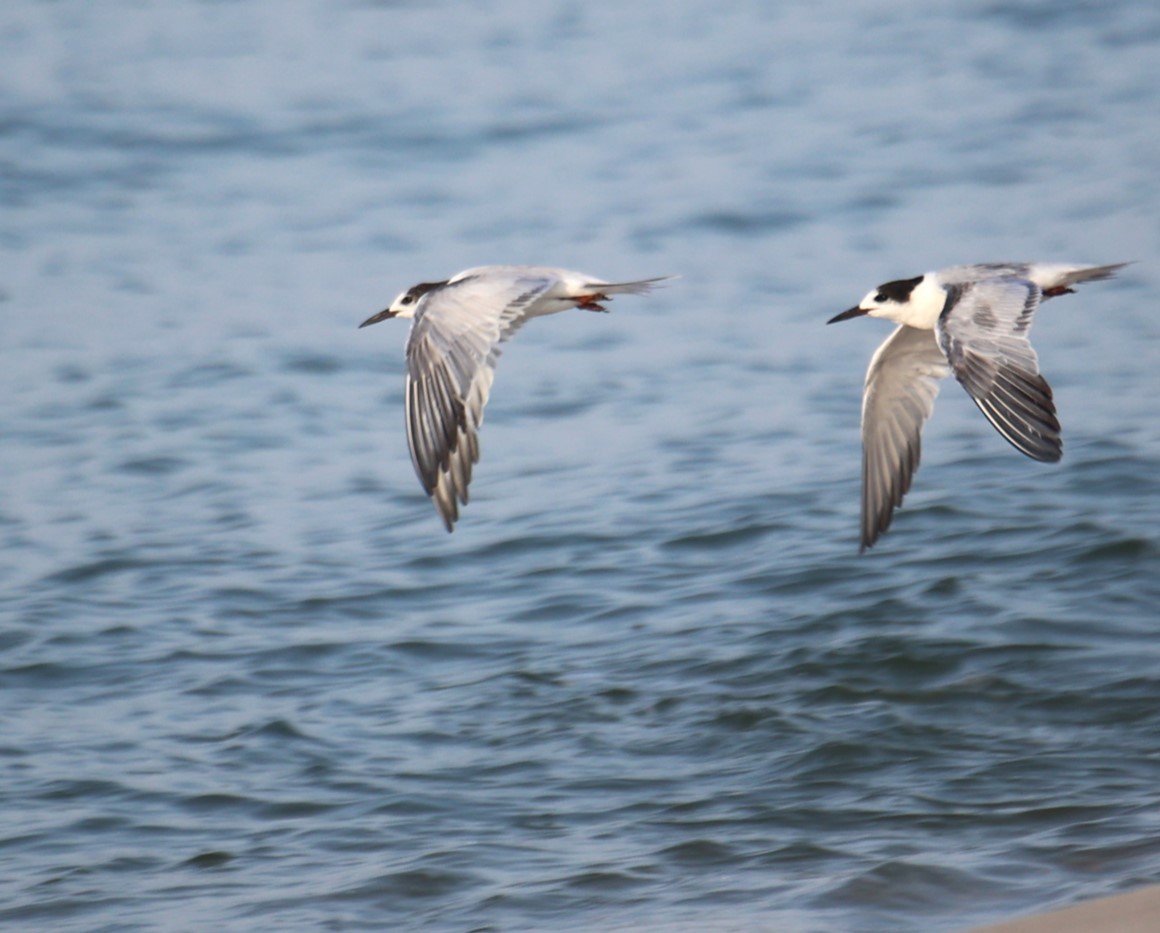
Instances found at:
x=247 y=680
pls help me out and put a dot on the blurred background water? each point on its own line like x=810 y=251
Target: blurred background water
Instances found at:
x=248 y=682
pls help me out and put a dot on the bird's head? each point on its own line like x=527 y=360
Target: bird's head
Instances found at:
x=405 y=304
x=897 y=301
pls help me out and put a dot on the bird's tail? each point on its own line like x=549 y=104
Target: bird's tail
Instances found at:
x=628 y=288
x=1077 y=274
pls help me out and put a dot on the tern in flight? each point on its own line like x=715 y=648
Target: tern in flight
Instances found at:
x=972 y=321
x=458 y=326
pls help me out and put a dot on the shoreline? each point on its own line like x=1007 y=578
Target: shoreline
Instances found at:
x=1135 y=911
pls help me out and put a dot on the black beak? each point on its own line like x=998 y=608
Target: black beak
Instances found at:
x=375 y=318
x=844 y=316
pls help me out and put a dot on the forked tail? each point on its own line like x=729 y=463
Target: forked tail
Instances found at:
x=628 y=288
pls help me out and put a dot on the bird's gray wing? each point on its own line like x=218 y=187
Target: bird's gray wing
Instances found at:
x=901 y=385
x=983 y=332
x=451 y=357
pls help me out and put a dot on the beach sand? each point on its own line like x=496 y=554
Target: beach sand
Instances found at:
x=1135 y=912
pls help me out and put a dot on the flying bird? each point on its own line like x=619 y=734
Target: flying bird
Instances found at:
x=972 y=321
x=458 y=326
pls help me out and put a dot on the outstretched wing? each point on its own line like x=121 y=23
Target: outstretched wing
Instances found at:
x=451 y=357
x=983 y=332
x=901 y=386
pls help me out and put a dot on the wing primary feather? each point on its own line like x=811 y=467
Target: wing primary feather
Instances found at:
x=901 y=386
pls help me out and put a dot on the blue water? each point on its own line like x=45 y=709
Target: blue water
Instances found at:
x=247 y=682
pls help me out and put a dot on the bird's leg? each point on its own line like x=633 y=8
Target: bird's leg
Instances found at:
x=1057 y=291
x=590 y=302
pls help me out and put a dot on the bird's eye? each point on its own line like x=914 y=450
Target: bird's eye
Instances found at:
x=880 y=298
x=408 y=299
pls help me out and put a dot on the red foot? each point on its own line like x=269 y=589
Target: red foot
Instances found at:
x=1057 y=291
x=590 y=302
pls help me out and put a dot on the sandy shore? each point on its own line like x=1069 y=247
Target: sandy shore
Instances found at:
x=1135 y=912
